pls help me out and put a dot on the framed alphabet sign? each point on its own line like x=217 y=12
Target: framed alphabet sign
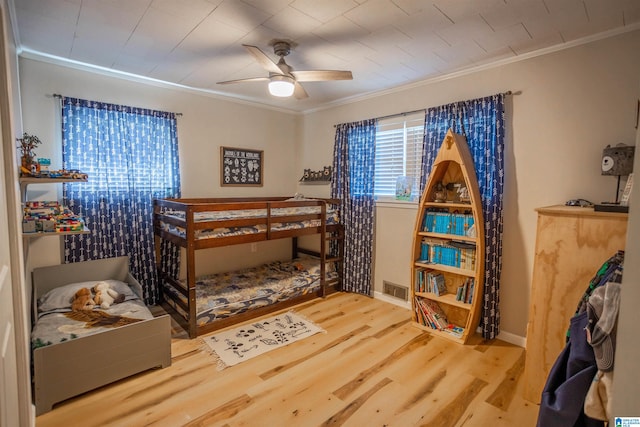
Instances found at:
x=241 y=167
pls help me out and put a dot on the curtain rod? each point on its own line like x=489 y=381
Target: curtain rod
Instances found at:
x=405 y=113
x=57 y=95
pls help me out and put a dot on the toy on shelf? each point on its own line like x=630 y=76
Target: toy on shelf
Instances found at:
x=36 y=171
x=49 y=217
x=68 y=174
x=40 y=168
x=27 y=145
x=43 y=166
x=318 y=176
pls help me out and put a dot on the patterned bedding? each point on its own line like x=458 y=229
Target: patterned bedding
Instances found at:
x=224 y=294
x=332 y=218
x=54 y=325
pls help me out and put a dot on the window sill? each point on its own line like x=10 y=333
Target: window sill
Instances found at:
x=390 y=202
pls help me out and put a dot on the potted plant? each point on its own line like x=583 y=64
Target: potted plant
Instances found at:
x=27 y=145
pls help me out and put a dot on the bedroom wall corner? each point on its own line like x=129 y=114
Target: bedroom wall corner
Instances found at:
x=207 y=123
x=569 y=105
x=16 y=406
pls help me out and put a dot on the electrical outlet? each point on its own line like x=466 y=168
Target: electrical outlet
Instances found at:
x=254 y=247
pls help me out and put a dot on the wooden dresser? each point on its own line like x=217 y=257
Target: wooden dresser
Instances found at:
x=572 y=243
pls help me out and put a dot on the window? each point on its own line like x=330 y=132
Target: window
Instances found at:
x=398 y=153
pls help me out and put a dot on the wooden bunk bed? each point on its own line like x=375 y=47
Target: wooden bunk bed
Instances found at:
x=195 y=224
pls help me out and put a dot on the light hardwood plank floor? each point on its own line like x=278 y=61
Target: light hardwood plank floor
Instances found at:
x=371 y=368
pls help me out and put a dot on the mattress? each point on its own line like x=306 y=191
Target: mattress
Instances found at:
x=57 y=323
x=223 y=295
x=216 y=232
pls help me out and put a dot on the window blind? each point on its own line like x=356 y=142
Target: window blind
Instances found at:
x=398 y=153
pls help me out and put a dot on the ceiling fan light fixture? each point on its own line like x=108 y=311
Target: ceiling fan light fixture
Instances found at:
x=281 y=86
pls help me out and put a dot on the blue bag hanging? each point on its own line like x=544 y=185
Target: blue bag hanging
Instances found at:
x=563 y=395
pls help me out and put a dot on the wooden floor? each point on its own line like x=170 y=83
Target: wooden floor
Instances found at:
x=371 y=368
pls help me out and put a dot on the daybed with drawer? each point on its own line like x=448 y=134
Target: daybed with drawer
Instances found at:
x=72 y=356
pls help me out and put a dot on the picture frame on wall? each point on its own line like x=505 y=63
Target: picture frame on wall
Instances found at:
x=404 y=188
x=241 y=167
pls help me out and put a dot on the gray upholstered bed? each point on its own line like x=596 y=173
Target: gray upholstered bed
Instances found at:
x=64 y=367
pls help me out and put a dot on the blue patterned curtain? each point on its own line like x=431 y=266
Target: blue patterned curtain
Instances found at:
x=482 y=122
x=352 y=182
x=131 y=157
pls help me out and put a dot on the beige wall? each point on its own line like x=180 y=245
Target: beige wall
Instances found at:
x=571 y=104
x=206 y=124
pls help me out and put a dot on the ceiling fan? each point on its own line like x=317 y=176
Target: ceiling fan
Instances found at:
x=283 y=80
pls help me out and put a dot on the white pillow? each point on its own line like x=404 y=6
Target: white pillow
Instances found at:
x=59 y=299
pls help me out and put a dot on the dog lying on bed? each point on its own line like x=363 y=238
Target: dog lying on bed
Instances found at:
x=82 y=307
x=82 y=300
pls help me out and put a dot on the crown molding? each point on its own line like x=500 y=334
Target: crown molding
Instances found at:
x=477 y=68
x=109 y=72
x=69 y=63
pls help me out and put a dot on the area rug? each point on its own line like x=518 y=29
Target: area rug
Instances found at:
x=245 y=342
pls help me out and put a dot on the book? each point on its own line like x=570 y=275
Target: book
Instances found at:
x=425 y=315
x=434 y=313
x=430 y=220
x=454 y=330
x=439 y=286
x=469 y=297
x=464 y=292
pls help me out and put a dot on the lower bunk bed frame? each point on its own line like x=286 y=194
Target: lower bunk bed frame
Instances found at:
x=330 y=235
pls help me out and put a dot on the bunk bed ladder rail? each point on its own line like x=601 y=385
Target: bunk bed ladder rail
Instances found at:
x=191 y=272
x=323 y=249
x=165 y=280
x=336 y=234
x=335 y=237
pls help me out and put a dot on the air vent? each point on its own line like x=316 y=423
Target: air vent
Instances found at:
x=396 y=291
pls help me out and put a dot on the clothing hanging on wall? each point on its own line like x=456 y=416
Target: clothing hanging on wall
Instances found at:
x=601 y=331
x=572 y=375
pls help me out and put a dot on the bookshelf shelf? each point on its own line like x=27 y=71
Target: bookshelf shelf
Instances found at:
x=448 y=205
x=448 y=246
x=447 y=236
x=446 y=299
x=438 y=333
x=446 y=268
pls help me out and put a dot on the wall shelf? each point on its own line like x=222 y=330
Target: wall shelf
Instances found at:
x=26 y=180
x=24 y=183
x=54 y=233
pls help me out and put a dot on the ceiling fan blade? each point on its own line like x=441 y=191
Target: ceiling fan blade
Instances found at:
x=321 y=75
x=263 y=59
x=251 y=79
x=299 y=92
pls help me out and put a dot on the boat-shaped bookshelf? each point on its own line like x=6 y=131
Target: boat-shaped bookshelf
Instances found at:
x=447 y=269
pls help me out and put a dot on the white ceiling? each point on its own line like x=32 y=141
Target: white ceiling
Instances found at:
x=385 y=43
